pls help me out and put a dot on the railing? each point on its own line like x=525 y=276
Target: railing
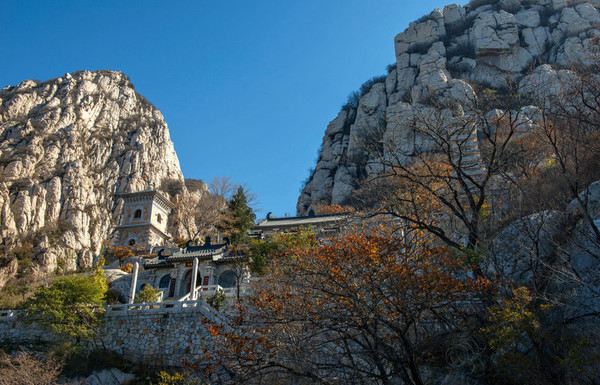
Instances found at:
x=160 y=307
x=6 y=314
x=210 y=290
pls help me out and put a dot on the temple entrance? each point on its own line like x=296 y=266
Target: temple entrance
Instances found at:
x=187 y=282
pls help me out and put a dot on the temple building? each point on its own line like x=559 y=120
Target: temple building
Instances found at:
x=323 y=225
x=144 y=221
x=216 y=269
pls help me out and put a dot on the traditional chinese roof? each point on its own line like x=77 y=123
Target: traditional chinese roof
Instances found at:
x=149 y=193
x=232 y=259
x=309 y=220
x=156 y=264
x=206 y=252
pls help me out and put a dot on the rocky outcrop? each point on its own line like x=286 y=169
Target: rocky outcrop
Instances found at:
x=109 y=377
x=443 y=56
x=69 y=146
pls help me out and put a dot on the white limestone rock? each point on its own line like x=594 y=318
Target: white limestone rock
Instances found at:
x=369 y=119
x=453 y=14
x=494 y=33
x=343 y=185
x=109 y=377
x=432 y=71
x=528 y=18
x=521 y=252
x=8 y=271
x=536 y=40
x=487 y=46
x=69 y=146
x=420 y=33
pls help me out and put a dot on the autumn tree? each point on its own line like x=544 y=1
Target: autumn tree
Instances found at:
x=122 y=253
x=202 y=217
x=364 y=308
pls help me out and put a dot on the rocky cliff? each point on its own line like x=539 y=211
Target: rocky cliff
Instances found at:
x=448 y=55
x=69 y=146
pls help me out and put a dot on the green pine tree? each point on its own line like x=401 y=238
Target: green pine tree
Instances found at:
x=242 y=217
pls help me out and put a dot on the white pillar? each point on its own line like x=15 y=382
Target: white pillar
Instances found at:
x=136 y=268
x=194 y=278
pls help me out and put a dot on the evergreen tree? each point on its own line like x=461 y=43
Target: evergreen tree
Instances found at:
x=242 y=217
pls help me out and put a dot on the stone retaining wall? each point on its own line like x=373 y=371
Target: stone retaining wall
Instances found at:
x=153 y=338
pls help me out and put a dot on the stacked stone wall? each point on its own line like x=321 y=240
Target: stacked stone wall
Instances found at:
x=153 y=338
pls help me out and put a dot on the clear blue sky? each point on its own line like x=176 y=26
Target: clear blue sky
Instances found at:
x=246 y=87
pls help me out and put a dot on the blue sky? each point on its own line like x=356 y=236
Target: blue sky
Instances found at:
x=246 y=87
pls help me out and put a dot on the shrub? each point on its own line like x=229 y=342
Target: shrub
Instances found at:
x=424 y=18
x=24 y=369
x=459 y=27
x=172 y=186
x=351 y=101
x=217 y=300
x=165 y=378
x=195 y=184
x=480 y=3
x=311 y=172
x=390 y=67
x=148 y=294
x=462 y=49
x=366 y=86
x=420 y=47
x=354 y=97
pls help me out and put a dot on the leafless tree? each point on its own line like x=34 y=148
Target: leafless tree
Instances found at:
x=24 y=369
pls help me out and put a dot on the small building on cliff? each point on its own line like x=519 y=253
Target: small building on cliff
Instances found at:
x=144 y=221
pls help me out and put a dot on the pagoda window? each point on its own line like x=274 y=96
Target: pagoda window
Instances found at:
x=137 y=214
x=131 y=242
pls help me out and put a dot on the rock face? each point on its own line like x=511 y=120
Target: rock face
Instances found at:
x=443 y=55
x=69 y=146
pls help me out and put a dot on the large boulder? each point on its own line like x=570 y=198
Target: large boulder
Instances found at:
x=522 y=252
x=109 y=377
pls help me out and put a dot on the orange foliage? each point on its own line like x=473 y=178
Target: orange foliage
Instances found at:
x=123 y=252
x=333 y=209
x=368 y=290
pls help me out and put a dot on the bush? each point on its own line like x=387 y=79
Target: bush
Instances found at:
x=311 y=172
x=480 y=3
x=80 y=361
x=148 y=294
x=24 y=369
x=354 y=97
x=366 y=86
x=172 y=186
x=351 y=101
x=460 y=26
x=462 y=49
x=195 y=185
x=217 y=300
x=420 y=47
x=424 y=18
x=165 y=378
x=390 y=67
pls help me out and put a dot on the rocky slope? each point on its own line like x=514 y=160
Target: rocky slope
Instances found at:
x=69 y=146
x=445 y=55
